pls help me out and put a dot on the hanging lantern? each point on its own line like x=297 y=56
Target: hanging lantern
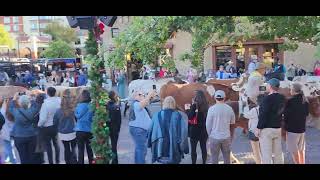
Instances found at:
x=240 y=44
x=128 y=57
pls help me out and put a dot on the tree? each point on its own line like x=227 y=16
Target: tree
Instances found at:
x=5 y=38
x=60 y=32
x=146 y=36
x=317 y=37
x=91 y=45
x=58 y=49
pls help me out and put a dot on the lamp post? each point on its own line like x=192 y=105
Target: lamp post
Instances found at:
x=18 y=47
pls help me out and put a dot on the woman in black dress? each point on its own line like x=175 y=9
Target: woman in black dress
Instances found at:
x=197 y=114
x=113 y=107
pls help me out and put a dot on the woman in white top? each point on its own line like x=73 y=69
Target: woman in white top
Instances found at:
x=252 y=115
x=5 y=133
x=68 y=81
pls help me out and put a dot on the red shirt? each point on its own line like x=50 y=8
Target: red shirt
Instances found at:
x=161 y=74
x=317 y=71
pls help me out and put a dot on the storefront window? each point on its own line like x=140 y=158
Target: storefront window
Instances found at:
x=240 y=59
x=270 y=54
x=223 y=55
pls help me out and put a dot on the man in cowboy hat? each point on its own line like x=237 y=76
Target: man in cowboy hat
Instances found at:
x=255 y=80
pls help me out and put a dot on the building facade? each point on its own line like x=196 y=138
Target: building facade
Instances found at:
x=27 y=32
x=265 y=51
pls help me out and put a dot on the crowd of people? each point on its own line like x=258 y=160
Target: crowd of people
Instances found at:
x=35 y=124
x=41 y=80
x=167 y=131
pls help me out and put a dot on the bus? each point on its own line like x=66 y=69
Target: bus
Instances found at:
x=62 y=64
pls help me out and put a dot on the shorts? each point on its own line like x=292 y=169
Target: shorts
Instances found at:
x=295 y=142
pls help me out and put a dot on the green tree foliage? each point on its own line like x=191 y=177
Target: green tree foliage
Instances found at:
x=58 y=49
x=5 y=38
x=91 y=45
x=317 y=38
x=61 y=32
x=146 y=36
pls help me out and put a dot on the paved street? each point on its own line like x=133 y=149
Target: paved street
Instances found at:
x=240 y=146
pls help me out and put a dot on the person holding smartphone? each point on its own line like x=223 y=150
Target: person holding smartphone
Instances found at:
x=197 y=114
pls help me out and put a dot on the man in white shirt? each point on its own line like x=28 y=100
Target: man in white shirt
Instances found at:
x=252 y=66
x=48 y=128
x=219 y=118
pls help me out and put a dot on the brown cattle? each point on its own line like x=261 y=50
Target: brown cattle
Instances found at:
x=227 y=82
x=183 y=93
x=314 y=102
x=10 y=91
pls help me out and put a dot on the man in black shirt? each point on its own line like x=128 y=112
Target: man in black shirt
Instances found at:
x=269 y=125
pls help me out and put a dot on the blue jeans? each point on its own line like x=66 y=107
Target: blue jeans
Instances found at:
x=26 y=147
x=139 y=137
x=8 y=152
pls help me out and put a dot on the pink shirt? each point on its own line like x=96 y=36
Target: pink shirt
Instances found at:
x=317 y=71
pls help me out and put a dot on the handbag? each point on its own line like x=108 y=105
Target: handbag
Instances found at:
x=251 y=135
x=194 y=120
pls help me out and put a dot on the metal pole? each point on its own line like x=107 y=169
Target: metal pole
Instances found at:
x=18 y=48
x=39 y=25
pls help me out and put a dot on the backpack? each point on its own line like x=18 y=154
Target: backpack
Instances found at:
x=132 y=115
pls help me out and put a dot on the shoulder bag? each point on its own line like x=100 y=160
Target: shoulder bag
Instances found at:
x=251 y=135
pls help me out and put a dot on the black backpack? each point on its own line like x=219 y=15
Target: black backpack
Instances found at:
x=132 y=115
x=2 y=121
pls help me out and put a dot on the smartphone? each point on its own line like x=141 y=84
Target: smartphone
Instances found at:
x=187 y=106
x=22 y=93
x=154 y=87
x=262 y=88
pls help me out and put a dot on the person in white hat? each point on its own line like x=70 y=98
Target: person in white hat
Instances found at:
x=219 y=118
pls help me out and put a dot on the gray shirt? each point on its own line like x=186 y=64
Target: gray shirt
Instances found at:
x=143 y=119
x=219 y=118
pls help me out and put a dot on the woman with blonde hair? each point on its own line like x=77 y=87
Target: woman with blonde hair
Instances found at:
x=168 y=135
x=64 y=118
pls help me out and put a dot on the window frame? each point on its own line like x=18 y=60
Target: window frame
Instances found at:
x=113 y=33
x=15 y=28
x=5 y=20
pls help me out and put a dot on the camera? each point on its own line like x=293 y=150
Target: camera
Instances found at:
x=22 y=93
x=262 y=88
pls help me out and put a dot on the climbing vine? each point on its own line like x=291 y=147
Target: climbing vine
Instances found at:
x=100 y=129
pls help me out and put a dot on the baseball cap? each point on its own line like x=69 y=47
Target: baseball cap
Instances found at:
x=274 y=82
x=219 y=94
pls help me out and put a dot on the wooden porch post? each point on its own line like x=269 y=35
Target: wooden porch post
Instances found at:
x=214 y=58
x=234 y=55
x=246 y=57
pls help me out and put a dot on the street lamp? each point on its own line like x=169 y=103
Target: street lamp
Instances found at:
x=35 y=47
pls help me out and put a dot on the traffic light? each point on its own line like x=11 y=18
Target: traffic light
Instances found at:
x=108 y=20
x=84 y=22
x=89 y=22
